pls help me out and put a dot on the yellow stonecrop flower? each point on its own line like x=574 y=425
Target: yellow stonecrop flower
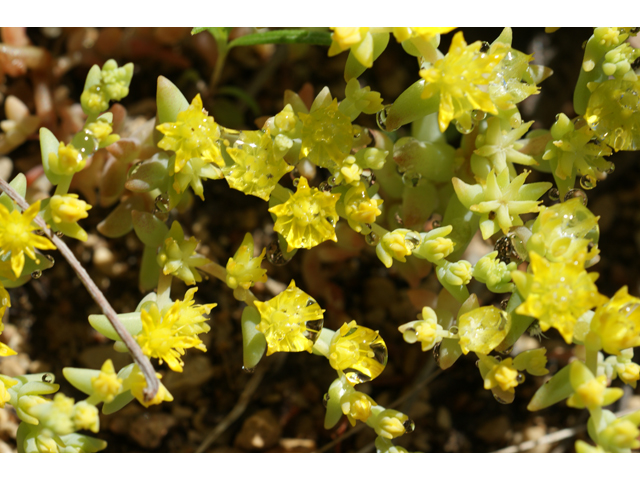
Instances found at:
x=622 y=433
x=426 y=331
x=137 y=383
x=482 y=329
x=356 y=39
x=613 y=113
x=68 y=160
x=5 y=384
x=5 y=351
x=256 y=169
x=327 y=136
x=397 y=245
x=557 y=294
x=458 y=78
x=166 y=336
x=359 y=208
x=358 y=352
x=243 y=270
x=502 y=375
x=424 y=33
x=68 y=208
x=500 y=201
x=178 y=256
x=617 y=322
x=307 y=218
x=390 y=423
x=590 y=394
x=193 y=134
x=107 y=384
x=192 y=317
x=574 y=151
x=628 y=372
x=533 y=361
x=85 y=417
x=291 y=321
x=563 y=230
x=16 y=236
x=357 y=406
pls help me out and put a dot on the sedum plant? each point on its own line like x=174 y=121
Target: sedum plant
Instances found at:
x=467 y=159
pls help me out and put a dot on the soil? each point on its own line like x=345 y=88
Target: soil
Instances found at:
x=278 y=407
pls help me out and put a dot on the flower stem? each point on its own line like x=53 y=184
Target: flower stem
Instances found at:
x=142 y=361
x=164 y=290
x=216 y=270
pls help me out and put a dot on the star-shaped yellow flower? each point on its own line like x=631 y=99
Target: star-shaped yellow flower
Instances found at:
x=457 y=78
x=557 y=294
x=308 y=218
x=193 y=134
x=500 y=201
x=16 y=236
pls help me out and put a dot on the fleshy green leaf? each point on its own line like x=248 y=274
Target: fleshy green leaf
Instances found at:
x=49 y=144
x=149 y=228
x=132 y=322
x=253 y=341
x=170 y=101
x=555 y=390
x=283 y=36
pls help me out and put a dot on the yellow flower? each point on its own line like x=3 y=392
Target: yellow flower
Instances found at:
x=502 y=375
x=101 y=129
x=424 y=33
x=107 y=384
x=359 y=208
x=563 y=230
x=327 y=136
x=590 y=394
x=357 y=39
x=243 y=270
x=256 y=169
x=390 y=423
x=16 y=236
x=617 y=322
x=457 y=78
x=307 y=218
x=192 y=317
x=136 y=383
x=85 y=417
x=167 y=336
x=613 y=113
x=358 y=352
x=193 y=134
x=557 y=293
x=5 y=303
x=590 y=391
x=533 y=361
x=426 y=331
x=5 y=384
x=67 y=208
x=68 y=160
x=178 y=257
x=500 y=201
x=622 y=433
x=398 y=245
x=482 y=329
x=290 y=321
x=628 y=372
x=574 y=151
x=357 y=406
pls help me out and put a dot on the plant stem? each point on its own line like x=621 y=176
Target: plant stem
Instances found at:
x=216 y=270
x=143 y=362
x=164 y=290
